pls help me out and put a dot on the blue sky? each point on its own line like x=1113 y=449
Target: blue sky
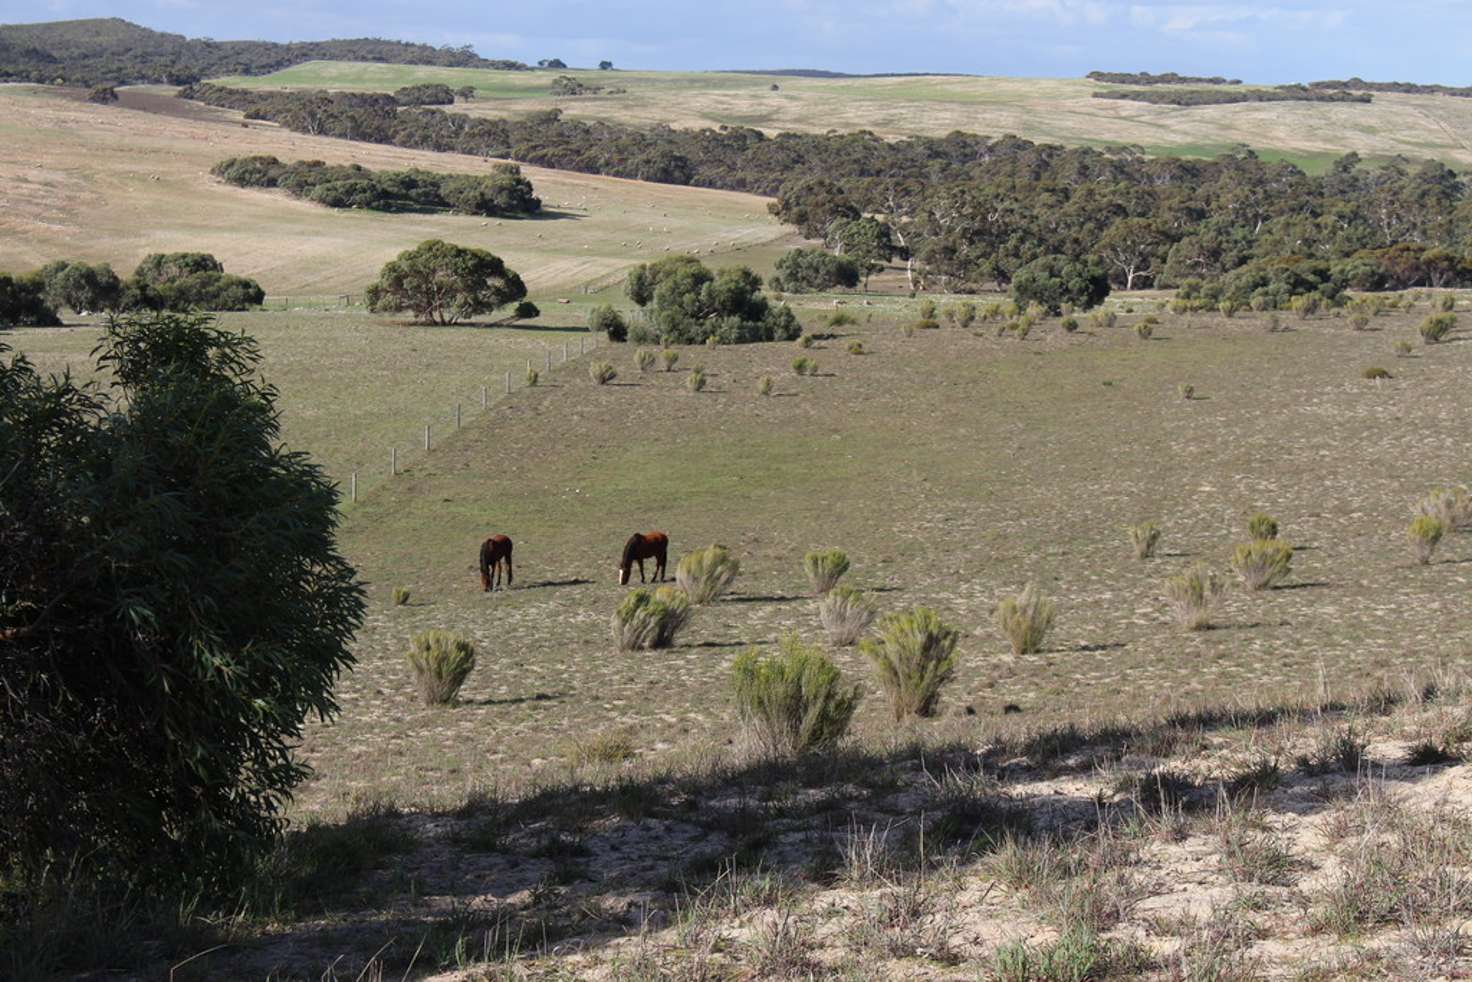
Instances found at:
x=1274 y=41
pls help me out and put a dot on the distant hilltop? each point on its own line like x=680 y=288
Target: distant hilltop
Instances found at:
x=112 y=51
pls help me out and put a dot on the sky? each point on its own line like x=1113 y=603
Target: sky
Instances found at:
x=1270 y=42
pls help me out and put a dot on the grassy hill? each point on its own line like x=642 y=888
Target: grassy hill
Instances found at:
x=1051 y=110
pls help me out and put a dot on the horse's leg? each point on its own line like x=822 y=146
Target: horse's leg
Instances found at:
x=508 y=567
x=641 y=571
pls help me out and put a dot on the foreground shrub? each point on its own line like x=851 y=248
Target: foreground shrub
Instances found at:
x=1425 y=534
x=856 y=347
x=441 y=661
x=842 y=318
x=532 y=378
x=604 y=318
x=824 y=568
x=804 y=366
x=1436 y=327
x=644 y=360
x=913 y=658
x=1144 y=330
x=707 y=573
x=1261 y=526
x=601 y=372
x=1144 y=538
x=1025 y=619
x=158 y=667
x=1190 y=596
x=81 y=287
x=650 y=618
x=1375 y=373
x=1262 y=563
x=687 y=303
x=845 y=614
x=23 y=302
x=792 y=702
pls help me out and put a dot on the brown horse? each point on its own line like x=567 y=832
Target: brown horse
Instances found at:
x=642 y=546
x=493 y=552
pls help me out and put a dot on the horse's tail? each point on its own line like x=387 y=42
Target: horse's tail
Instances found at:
x=485 y=565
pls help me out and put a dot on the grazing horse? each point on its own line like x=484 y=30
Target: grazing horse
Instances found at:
x=642 y=546
x=493 y=552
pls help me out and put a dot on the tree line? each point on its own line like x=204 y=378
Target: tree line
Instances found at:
x=1357 y=84
x=1165 y=78
x=1222 y=97
x=965 y=211
x=504 y=191
x=115 y=52
x=163 y=281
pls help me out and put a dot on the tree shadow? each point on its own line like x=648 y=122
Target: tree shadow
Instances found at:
x=1311 y=585
x=768 y=598
x=517 y=700
x=547 y=584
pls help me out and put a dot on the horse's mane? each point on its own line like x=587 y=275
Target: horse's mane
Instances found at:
x=628 y=559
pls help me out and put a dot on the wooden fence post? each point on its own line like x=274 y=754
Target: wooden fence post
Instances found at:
x=548 y=353
x=483 y=395
x=508 y=381
x=393 y=460
x=457 y=415
x=564 y=352
x=353 y=487
x=426 y=436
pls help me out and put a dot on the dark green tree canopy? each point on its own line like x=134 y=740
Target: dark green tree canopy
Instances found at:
x=1053 y=281
x=23 y=302
x=443 y=283
x=690 y=304
x=81 y=287
x=810 y=270
x=173 y=608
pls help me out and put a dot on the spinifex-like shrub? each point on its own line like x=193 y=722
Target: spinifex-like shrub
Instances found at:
x=1261 y=526
x=1436 y=327
x=1425 y=534
x=856 y=347
x=805 y=341
x=1144 y=330
x=845 y=614
x=601 y=372
x=913 y=657
x=1144 y=538
x=794 y=701
x=804 y=366
x=705 y=574
x=644 y=359
x=1025 y=619
x=824 y=568
x=668 y=357
x=1262 y=563
x=1190 y=596
x=1450 y=506
x=401 y=596
x=650 y=618
x=764 y=385
x=532 y=378
x=1376 y=373
x=695 y=381
x=441 y=662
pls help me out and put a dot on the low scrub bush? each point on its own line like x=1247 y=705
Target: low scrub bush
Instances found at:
x=1437 y=327
x=1186 y=391
x=1025 y=619
x=845 y=614
x=707 y=573
x=1404 y=348
x=650 y=618
x=1103 y=318
x=1190 y=596
x=1262 y=563
x=604 y=318
x=913 y=657
x=794 y=701
x=1261 y=526
x=1446 y=302
x=842 y=318
x=1450 y=506
x=601 y=372
x=667 y=358
x=1144 y=330
x=1069 y=325
x=696 y=380
x=805 y=341
x=1144 y=538
x=401 y=596
x=804 y=366
x=856 y=347
x=532 y=378
x=764 y=385
x=825 y=567
x=644 y=359
x=441 y=661
x=1375 y=373
x=1425 y=534
x=1360 y=322
x=926 y=310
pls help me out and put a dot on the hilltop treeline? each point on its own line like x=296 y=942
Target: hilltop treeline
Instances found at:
x=1358 y=84
x=1222 y=97
x=114 y=51
x=1165 y=78
x=964 y=211
x=504 y=191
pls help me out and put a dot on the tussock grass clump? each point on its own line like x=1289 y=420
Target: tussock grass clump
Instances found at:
x=1450 y=506
x=845 y=614
x=1262 y=527
x=1144 y=330
x=1335 y=750
x=650 y=618
x=842 y=318
x=601 y=372
x=924 y=324
x=667 y=358
x=441 y=661
x=1103 y=318
x=1263 y=563
x=1190 y=596
x=401 y=596
x=805 y=341
x=804 y=366
x=696 y=380
x=707 y=573
x=825 y=567
x=644 y=360
x=1375 y=373
x=1446 y=302
x=1144 y=538
x=1025 y=619
x=604 y=748
x=1425 y=535
x=856 y=348
x=1069 y=325
x=764 y=385
x=794 y=701
x=1077 y=954
x=1186 y=391
x=914 y=657
x=926 y=310
x=1403 y=349
x=1437 y=327
x=532 y=378
x=1359 y=321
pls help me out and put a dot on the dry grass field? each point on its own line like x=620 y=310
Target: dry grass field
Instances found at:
x=1048 y=110
x=114 y=183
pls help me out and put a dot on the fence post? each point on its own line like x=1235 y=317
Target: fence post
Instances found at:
x=528 y=366
x=564 y=352
x=483 y=395
x=508 y=381
x=548 y=353
x=393 y=460
x=426 y=436
x=457 y=415
x=353 y=487
x=581 y=350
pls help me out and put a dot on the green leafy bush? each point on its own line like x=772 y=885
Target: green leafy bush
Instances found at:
x=441 y=661
x=650 y=618
x=1437 y=327
x=1375 y=373
x=707 y=573
x=913 y=658
x=1190 y=596
x=696 y=380
x=804 y=366
x=1425 y=534
x=1144 y=330
x=793 y=702
x=443 y=283
x=1069 y=325
x=1025 y=619
x=23 y=302
x=604 y=318
x=856 y=347
x=1262 y=563
x=1144 y=538
x=1450 y=506
x=532 y=378
x=1051 y=281
x=845 y=614
x=668 y=357
x=525 y=311
x=824 y=568
x=689 y=303
x=805 y=341
x=814 y=270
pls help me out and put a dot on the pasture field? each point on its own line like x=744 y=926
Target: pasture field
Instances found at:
x=1046 y=110
x=114 y=183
